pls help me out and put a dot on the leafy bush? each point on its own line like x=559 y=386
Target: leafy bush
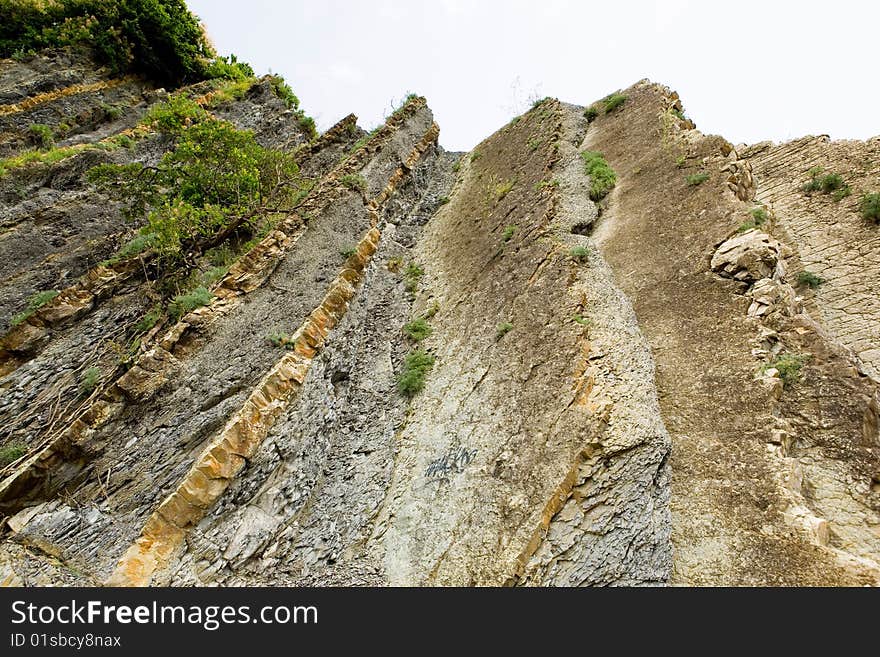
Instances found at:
x=416 y=366
x=579 y=253
x=216 y=179
x=41 y=136
x=89 y=381
x=503 y=329
x=842 y=193
x=160 y=38
x=869 y=206
x=347 y=253
x=697 y=179
x=591 y=113
x=789 y=368
x=810 y=279
x=174 y=114
x=184 y=303
x=36 y=302
x=228 y=68
x=508 y=233
x=602 y=176
x=10 y=453
x=759 y=215
x=614 y=101
x=417 y=329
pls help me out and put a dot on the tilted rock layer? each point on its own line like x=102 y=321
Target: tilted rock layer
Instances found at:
x=639 y=390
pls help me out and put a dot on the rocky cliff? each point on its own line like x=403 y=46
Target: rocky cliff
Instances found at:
x=602 y=348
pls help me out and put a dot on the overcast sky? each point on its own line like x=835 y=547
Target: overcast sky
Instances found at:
x=750 y=70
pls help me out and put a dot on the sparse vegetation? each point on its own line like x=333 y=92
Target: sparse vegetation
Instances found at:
x=443 y=200
x=354 y=182
x=41 y=136
x=418 y=329
x=534 y=144
x=697 y=178
x=869 y=207
x=502 y=189
x=508 y=233
x=680 y=161
x=149 y=320
x=416 y=366
x=89 y=381
x=433 y=310
x=503 y=329
x=11 y=453
x=412 y=275
x=809 y=279
x=829 y=183
x=613 y=101
x=347 y=253
x=602 y=176
x=184 y=303
x=36 y=302
x=475 y=156
x=583 y=321
x=546 y=184
x=759 y=217
x=280 y=339
x=789 y=367
x=579 y=253
x=591 y=113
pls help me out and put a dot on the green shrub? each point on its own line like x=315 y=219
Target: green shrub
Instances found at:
x=443 y=200
x=810 y=279
x=842 y=193
x=869 y=206
x=173 y=114
x=591 y=113
x=160 y=38
x=416 y=366
x=583 y=321
x=228 y=68
x=111 y=112
x=579 y=253
x=412 y=275
x=614 y=101
x=184 y=303
x=828 y=183
x=212 y=275
x=680 y=161
x=41 y=136
x=149 y=320
x=354 y=182
x=36 y=302
x=215 y=179
x=533 y=144
x=697 y=179
x=789 y=368
x=134 y=247
x=417 y=329
x=759 y=215
x=89 y=381
x=280 y=339
x=602 y=176
x=508 y=233
x=347 y=253
x=503 y=329
x=11 y=453
x=475 y=156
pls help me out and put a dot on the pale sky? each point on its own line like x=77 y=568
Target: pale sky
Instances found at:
x=748 y=70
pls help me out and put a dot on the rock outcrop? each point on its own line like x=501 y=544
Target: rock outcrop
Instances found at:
x=441 y=368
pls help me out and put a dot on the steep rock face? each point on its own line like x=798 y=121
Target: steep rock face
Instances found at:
x=541 y=448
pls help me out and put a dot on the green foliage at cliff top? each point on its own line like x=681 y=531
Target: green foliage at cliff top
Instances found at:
x=161 y=39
